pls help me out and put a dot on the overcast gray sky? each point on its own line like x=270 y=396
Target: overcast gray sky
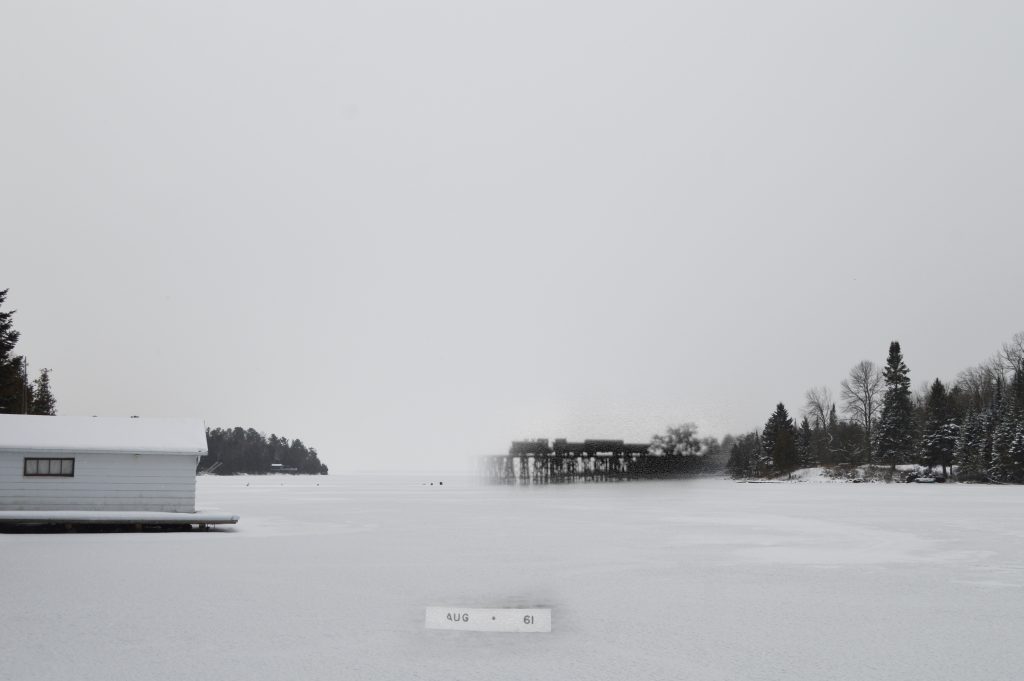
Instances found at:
x=408 y=233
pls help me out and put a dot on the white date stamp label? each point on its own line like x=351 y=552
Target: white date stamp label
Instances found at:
x=521 y=620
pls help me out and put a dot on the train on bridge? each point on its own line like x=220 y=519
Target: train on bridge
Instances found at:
x=542 y=461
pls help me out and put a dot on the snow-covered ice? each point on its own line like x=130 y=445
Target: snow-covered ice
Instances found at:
x=328 y=578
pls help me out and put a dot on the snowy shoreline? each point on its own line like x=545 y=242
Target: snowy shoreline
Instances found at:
x=859 y=474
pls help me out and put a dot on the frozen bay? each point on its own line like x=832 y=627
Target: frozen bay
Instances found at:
x=328 y=577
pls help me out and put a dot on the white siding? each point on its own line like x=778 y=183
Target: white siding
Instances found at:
x=102 y=482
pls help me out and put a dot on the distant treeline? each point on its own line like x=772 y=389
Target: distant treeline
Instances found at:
x=244 y=450
x=237 y=450
x=972 y=428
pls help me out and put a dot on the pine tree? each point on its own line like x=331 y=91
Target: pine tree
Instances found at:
x=244 y=450
x=805 y=445
x=744 y=456
x=895 y=434
x=779 y=440
x=940 y=429
x=969 y=454
x=1002 y=467
x=1017 y=451
x=945 y=445
x=1003 y=427
x=768 y=438
x=12 y=367
x=761 y=461
x=760 y=458
x=43 y=401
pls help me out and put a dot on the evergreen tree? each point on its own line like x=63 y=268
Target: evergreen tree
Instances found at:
x=43 y=401
x=849 y=444
x=738 y=465
x=244 y=450
x=805 y=442
x=12 y=367
x=761 y=459
x=1002 y=466
x=895 y=434
x=970 y=451
x=1017 y=450
x=785 y=456
x=779 y=440
x=940 y=429
x=745 y=457
x=1003 y=429
x=944 y=445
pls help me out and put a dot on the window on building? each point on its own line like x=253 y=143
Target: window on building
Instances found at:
x=64 y=468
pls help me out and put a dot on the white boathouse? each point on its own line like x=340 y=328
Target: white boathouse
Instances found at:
x=100 y=469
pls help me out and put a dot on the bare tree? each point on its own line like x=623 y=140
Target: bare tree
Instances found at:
x=678 y=440
x=862 y=398
x=1011 y=357
x=978 y=383
x=920 y=395
x=820 y=409
x=818 y=406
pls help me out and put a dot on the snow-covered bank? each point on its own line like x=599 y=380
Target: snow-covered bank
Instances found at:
x=904 y=473
x=328 y=578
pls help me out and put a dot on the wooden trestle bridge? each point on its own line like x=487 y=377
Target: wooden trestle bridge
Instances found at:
x=538 y=462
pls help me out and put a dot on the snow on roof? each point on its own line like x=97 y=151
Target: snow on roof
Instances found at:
x=102 y=434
